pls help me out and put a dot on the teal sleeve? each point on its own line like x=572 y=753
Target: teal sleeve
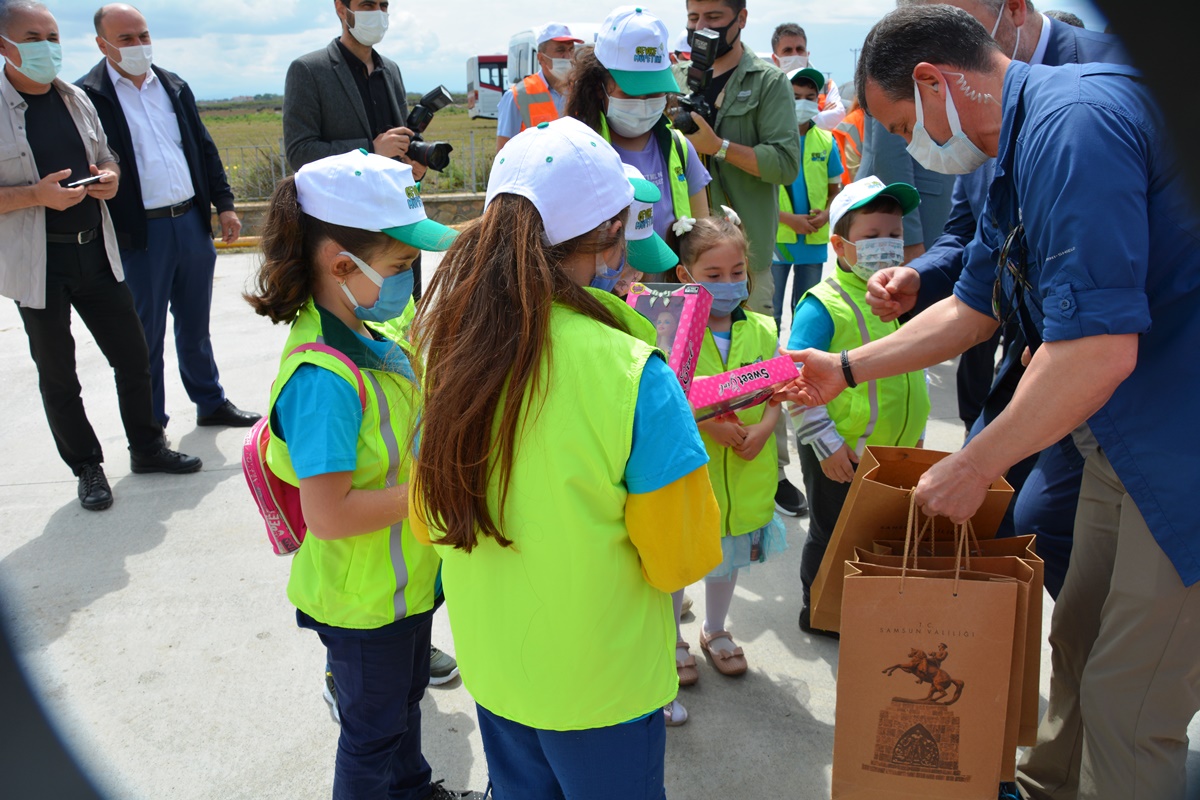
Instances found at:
x=666 y=441
x=812 y=327
x=319 y=415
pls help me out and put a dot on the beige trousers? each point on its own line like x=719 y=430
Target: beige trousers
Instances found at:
x=1125 y=675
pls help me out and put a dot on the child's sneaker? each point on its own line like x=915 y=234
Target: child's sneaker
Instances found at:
x=442 y=667
x=330 y=695
x=789 y=500
x=439 y=792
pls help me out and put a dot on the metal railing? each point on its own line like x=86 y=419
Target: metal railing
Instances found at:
x=253 y=170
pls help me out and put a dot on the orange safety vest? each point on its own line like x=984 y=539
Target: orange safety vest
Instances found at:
x=849 y=136
x=532 y=96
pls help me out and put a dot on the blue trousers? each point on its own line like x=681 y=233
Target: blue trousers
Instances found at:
x=380 y=676
x=175 y=271
x=806 y=277
x=1046 y=506
x=624 y=761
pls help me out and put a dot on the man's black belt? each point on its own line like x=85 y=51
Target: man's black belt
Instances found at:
x=177 y=210
x=83 y=237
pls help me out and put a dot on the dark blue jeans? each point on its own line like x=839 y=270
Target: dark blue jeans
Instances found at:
x=175 y=271
x=805 y=277
x=380 y=676
x=624 y=761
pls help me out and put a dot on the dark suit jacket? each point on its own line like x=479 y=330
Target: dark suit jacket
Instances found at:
x=323 y=112
x=204 y=162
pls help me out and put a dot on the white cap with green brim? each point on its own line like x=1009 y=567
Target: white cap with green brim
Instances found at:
x=634 y=46
x=371 y=193
x=864 y=190
x=647 y=250
x=572 y=176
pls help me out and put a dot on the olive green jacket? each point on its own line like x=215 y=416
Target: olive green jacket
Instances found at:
x=757 y=110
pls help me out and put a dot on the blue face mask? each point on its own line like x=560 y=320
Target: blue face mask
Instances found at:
x=727 y=296
x=606 y=279
x=40 y=61
x=394 y=292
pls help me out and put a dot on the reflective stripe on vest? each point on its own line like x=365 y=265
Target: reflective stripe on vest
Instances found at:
x=672 y=145
x=534 y=102
x=515 y=612
x=745 y=490
x=889 y=411
x=816 y=183
x=370 y=580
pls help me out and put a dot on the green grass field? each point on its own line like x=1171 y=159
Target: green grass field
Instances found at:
x=249 y=136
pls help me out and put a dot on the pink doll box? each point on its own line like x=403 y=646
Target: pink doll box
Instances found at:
x=740 y=388
x=679 y=314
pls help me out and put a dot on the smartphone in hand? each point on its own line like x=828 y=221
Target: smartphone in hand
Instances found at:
x=88 y=181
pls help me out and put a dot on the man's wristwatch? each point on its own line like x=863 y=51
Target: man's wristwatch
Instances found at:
x=724 y=147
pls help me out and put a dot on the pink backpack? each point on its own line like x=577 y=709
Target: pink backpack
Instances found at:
x=277 y=500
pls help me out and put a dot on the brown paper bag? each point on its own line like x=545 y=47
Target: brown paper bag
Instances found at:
x=923 y=683
x=1024 y=548
x=1024 y=668
x=877 y=508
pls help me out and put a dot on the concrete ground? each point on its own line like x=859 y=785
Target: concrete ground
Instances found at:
x=161 y=642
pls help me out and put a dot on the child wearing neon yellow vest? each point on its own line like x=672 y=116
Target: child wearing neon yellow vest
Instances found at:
x=741 y=447
x=801 y=242
x=337 y=257
x=560 y=477
x=868 y=235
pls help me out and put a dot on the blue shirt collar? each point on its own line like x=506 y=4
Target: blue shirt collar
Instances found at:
x=1010 y=98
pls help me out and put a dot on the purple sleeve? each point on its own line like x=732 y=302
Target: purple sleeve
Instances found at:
x=697 y=175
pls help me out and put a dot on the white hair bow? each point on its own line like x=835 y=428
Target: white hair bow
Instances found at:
x=731 y=215
x=683 y=225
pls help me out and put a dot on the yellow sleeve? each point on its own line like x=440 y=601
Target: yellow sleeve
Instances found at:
x=676 y=530
x=416 y=516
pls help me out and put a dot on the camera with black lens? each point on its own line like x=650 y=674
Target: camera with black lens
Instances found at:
x=434 y=155
x=699 y=77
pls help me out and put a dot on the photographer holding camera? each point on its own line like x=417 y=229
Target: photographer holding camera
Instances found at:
x=748 y=132
x=750 y=140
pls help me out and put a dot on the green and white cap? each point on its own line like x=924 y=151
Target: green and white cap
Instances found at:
x=371 y=193
x=634 y=45
x=572 y=176
x=864 y=190
x=647 y=250
x=808 y=73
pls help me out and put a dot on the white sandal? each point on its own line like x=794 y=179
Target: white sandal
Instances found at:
x=675 y=714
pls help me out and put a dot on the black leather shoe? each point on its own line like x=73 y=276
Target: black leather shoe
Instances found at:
x=806 y=626
x=94 y=492
x=164 y=460
x=229 y=415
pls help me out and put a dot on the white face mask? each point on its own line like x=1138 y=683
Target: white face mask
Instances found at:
x=560 y=68
x=996 y=27
x=136 y=59
x=789 y=63
x=872 y=255
x=369 y=26
x=957 y=156
x=806 y=110
x=634 y=116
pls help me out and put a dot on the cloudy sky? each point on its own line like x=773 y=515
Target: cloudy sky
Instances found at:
x=226 y=48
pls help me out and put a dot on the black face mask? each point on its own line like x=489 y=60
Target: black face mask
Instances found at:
x=723 y=44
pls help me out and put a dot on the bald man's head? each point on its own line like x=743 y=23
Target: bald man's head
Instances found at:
x=116 y=14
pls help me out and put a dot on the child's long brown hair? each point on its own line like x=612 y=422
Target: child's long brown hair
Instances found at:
x=481 y=332
x=286 y=278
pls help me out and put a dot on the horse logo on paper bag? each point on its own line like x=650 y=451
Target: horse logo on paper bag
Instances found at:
x=919 y=737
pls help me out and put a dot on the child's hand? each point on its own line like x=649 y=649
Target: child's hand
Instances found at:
x=840 y=466
x=819 y=218
x=756 y=437
x=802 y=223
x=725 y=430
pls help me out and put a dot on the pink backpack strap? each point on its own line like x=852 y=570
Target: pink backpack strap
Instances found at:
x=340 y=356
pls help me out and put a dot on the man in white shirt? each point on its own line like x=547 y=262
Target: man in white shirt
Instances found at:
x=162 y=212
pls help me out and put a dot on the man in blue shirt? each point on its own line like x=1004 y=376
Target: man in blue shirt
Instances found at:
x=1099 y=258
x=1047 y=507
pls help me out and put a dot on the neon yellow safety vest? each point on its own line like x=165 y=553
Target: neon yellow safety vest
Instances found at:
x=818 y=145
x=515 y=612
x=745 y=490
x=376 y=578
x=673 y=146
x=890 y=412
x=639 y=327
